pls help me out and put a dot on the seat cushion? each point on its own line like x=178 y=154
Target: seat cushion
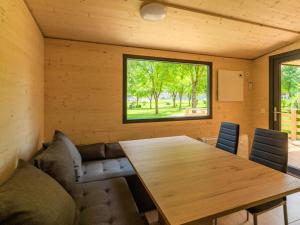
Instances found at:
x=266 y=206
x=104 y=169
x=57 y=162
x=77 y=160
x=107 y=202
x=31 y=197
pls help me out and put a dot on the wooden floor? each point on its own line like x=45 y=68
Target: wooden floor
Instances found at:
x=273 y=217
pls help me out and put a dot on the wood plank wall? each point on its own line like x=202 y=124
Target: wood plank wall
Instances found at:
x=83 y=94
x=21 y=85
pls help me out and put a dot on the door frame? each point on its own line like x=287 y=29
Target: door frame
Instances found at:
x=275 y=83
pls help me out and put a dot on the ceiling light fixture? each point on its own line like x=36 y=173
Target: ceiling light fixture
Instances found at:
x=153 y=11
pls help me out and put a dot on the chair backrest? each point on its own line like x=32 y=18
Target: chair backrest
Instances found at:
x=270 y=148
x=228 y=138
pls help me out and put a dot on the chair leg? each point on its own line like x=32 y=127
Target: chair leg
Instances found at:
x=285 y=214
x=255 y=219
x=247 y=215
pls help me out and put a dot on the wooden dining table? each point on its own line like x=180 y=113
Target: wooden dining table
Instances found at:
x=192 y=182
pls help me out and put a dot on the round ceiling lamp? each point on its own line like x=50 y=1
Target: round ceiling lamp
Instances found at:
x=153 y=11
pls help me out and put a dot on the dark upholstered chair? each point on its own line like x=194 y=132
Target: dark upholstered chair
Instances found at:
x=270 y=148
x=228 y=138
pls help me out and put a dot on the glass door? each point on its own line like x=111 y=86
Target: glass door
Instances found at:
x=285 y=103
x=290 y=108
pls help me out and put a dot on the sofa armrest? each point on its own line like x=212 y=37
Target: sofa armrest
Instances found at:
x=92 y=152
x=114 y=150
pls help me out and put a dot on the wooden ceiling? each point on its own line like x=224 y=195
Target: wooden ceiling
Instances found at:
x=236 y=28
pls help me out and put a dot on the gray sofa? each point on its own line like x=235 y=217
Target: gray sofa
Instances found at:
x=99 y=178
x=99 y=161
x=31 y=197
x=103 y=202
x=96 y=162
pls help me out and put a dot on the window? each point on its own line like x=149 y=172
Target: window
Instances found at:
x=161 y=89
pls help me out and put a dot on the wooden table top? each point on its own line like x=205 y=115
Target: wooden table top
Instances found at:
x=191 y=181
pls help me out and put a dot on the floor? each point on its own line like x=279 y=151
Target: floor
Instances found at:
x=294 y=155
x=273 y=217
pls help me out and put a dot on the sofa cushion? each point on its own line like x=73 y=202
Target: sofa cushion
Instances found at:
x=113 y=150
x=104 y=169
x=107 y=202
x=92 y=152
x=57 y=162
x=31 y=197
x=77 y=160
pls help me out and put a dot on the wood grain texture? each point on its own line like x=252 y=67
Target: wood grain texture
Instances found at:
x=191 y=181
x=272 y=12
x=83 y=94
x=21 y=85
x=119 y=22
x=272 y=217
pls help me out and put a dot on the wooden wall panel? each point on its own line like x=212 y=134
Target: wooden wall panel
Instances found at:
x=83 y=94
x=21 y=85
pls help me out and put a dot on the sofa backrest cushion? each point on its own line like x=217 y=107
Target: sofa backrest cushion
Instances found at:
x=77 y=160
x=57 y=162
x=92 y=152
x=31 y=197
x=113 y=150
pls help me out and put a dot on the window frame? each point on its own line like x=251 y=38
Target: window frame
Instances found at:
x=163 y=59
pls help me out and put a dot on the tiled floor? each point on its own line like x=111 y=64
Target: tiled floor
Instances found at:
x=273 y=217
x=294 y=155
